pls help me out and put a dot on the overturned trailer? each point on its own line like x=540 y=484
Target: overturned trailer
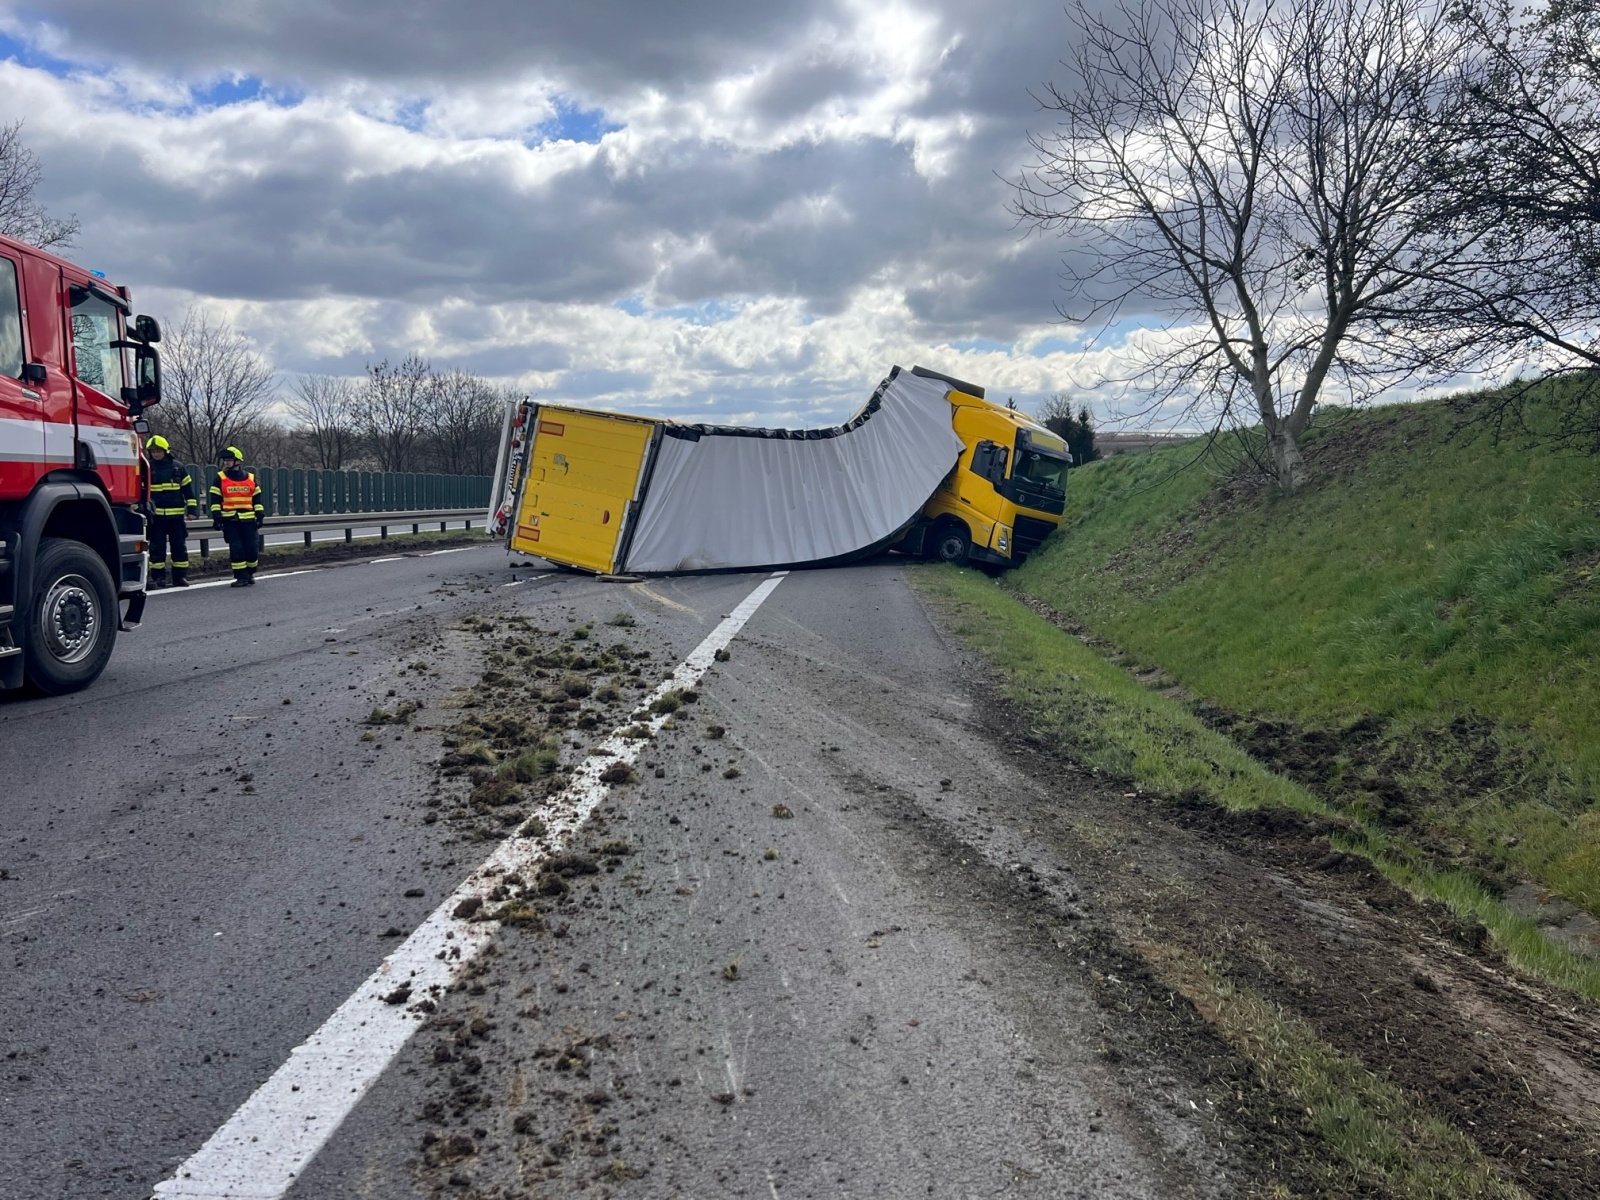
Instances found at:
x=616 y=494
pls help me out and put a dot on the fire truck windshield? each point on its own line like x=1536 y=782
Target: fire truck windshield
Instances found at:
x=94 y=328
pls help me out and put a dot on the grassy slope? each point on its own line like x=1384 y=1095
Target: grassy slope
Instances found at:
x=1104 y=718
x=1441 y=583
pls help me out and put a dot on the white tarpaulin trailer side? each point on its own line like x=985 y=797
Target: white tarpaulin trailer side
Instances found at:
x=721 y=498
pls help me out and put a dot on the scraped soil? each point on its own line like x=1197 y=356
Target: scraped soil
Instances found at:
x=1408 y=989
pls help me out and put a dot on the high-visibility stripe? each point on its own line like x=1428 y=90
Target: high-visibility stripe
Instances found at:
x=60 y=443
x=238 y=495
x=21 y=441
x=110 y=445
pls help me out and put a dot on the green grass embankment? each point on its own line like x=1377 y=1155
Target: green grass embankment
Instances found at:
x=1411 y=642
x=1097 y=713
x=1424 y=619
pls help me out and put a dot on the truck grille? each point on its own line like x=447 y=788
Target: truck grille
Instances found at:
x=1029 y=533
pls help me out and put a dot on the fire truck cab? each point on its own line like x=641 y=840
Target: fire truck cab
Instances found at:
x=76 y=371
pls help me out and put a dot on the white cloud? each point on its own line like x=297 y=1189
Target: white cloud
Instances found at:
x=810 y=191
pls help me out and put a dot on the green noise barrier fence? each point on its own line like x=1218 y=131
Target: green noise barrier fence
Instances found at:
x=303 y=493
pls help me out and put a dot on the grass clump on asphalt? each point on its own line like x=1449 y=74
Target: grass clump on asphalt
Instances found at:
x=1431 y=590
x=1099 y=715
x=534 y=763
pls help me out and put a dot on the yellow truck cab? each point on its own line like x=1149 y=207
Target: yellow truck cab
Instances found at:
x=1006 y=492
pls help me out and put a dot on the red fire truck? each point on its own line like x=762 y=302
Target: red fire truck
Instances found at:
x=76 y=370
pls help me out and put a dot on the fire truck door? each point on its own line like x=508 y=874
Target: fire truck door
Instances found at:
x=21 y=405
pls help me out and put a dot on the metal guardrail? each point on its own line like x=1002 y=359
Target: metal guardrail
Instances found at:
x=203 y=532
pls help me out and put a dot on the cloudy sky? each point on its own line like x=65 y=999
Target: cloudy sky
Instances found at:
x=717 y=209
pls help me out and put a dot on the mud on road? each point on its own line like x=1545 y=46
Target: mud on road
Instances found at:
x=848 y=930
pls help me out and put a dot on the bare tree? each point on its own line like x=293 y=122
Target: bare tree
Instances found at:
x=1252 y=173
x=465 y=426
x=215 y=387
x=325 y=411
x=21 y=216
x=1519 y=179
x=393 y=409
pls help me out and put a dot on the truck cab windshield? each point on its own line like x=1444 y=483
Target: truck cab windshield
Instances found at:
x=1043 y=472
x=94 y=328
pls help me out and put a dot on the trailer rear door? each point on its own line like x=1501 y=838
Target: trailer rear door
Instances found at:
x=584 y=472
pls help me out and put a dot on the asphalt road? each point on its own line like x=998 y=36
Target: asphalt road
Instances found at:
x=899 y=1019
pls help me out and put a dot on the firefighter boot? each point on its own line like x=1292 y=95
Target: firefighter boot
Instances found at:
x=241 y=578
x=180 y=576
x=158 y=580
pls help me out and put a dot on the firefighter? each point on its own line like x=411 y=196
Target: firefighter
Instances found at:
x=172 y=502
x=236 y=509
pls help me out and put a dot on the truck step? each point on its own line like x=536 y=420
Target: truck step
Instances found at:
x=9 y=652
x=7 y=613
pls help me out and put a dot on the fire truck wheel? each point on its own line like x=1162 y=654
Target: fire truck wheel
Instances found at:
x=72 y=622
x=951 y=542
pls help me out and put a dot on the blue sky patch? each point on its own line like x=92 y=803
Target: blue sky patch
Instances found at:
x=712 y=312
x=574 y=124
x=233 y=89
x=27 y=55
x=981 y=344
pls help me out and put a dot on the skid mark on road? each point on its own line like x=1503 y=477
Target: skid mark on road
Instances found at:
x=644 y=589
x=262 y=1149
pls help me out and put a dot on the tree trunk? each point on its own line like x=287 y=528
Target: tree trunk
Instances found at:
x=1287 y=462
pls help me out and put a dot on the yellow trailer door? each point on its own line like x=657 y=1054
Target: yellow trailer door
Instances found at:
x=584 y=470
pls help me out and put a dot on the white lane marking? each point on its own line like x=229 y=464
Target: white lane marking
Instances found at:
x=392 y=558
x=520 y=582
x=195 y=587
x=452 y=550
x=264 y=1146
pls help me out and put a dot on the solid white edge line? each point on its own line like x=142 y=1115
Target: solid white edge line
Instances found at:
x=196 y=587
x=260 y=1151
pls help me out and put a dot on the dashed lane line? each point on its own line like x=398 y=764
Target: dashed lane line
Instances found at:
x=262 y=1149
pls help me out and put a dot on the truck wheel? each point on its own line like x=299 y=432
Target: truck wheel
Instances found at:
x=72 y=622
x=951 y=543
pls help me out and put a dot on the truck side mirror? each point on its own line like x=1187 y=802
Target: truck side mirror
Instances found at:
x=147 y=329
x=35 y=373
x=147 y=376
